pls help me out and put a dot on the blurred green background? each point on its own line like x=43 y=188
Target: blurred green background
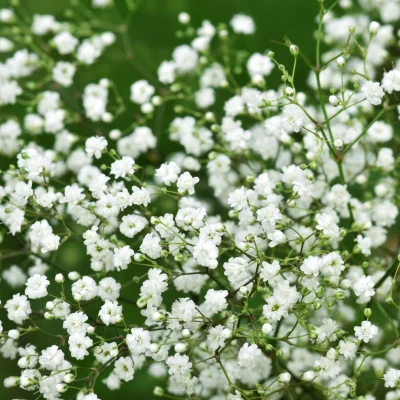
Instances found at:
x=153 y=37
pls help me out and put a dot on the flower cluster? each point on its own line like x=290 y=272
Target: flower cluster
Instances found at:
x=258 y=261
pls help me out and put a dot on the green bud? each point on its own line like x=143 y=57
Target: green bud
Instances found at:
x=178 y=257
x=317 y=305
x=339 y=295
x=158 y=391
x=294 y=50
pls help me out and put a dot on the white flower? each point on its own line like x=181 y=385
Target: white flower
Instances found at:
x=215 y=301
x=391 y=81
x=36 y=286
x=123 y=167
x=365 y=244
x=186 y=182
x=132 y=225
x=185 y=59
x=276 y=237
x=84 y=289
x=373 y=92
x=391 y=377
x=138 y=341
x=122 y=257
x=151 y=246
x=168 y=173
x=311 y=265
x=269 y=271
x=205 y=253
x=123 y=368
x=95 y=145
x=248 y=354
x=259 y=64
x=364 y=289
x=51 y=358
x=292 y=118
x=141 y=92
x=78 y=345
x=140 y=196
x=347 y=349
x=366 y=331
x=110 y=312
x=65 y=42
x=166 y=72
x=76 y=323
x=328 y=368
x=72 y=194
x=18 y=308
x=63 y=73
x=243 y=24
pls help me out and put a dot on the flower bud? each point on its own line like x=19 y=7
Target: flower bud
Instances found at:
x=210 y=117
x=59 y=278
x=106 y=117
x=180 y=347
x=223 y=34
x=186 y=333
x=227 y=333
x=267 y=328
x=308 y=376
x=23 y=362
x=340 y=61
x=61 y=387
x=11 y=381
x=139 y=257
x=90 y=330
x=294 y=50
x=289 y=92
x=73 y=276
x=14 y=334
x=184 y=18
x=25 y=381
x=338 y=143
x=284 y=377
x=178 y=257
x=155 y=220
x=331 y=354
x=48 y=315
x=244 y=291
x=157 y=316
x=258 y=80
x=373 y=28
x=333 y=100
x=269 y=347
x=68 y=378
x=368 y=312
x=142 y=302
x=233 y=319
x=156 y=100
x=147 y=108
x=154 y=348
x=361 y=179
x=114 y=134
x=158 y=391
x=339 y=295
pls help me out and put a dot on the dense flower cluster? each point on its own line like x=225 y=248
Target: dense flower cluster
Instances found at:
x=263 y=255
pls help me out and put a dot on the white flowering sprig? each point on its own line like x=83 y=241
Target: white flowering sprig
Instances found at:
x=256 y=262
